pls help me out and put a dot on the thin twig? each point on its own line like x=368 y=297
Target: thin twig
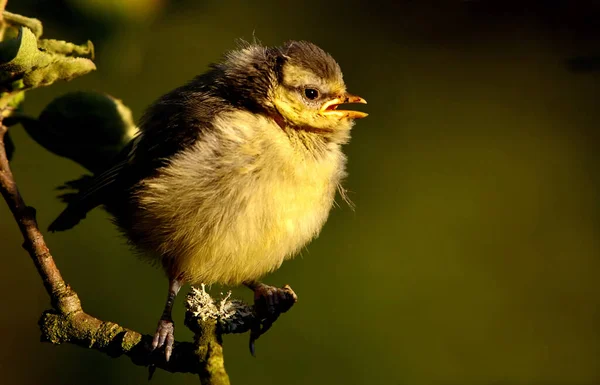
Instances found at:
x=25 y=217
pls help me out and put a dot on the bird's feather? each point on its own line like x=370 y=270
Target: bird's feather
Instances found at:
x=178 y=117
x=95 y=192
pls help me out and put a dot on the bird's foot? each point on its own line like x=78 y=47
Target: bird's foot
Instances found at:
x=269 y=303
x=164 y=336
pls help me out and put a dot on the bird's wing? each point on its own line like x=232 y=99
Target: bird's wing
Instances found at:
x=99 y=190
x=173 y=123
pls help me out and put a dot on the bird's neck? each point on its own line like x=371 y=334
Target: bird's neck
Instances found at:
x=316 y=139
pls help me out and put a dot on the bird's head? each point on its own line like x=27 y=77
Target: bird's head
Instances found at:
x=298 y=84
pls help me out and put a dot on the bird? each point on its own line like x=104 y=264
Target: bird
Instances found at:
x=231 y=173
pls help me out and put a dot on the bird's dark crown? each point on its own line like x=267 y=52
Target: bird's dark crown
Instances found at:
x=247 y=75
x=312 y=58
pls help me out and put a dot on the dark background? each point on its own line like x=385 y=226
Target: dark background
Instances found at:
x=473 y=254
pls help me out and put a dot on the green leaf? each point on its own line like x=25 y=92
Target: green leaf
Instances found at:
x=66 y=48
x=60 y=68
x=20 y=53
x=87 y=127
x=22 y=58
x=21 y=21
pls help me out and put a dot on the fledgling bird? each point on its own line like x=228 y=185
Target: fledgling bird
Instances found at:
x=232 y=173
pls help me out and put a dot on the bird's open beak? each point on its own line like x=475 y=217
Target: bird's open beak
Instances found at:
x=329 y=108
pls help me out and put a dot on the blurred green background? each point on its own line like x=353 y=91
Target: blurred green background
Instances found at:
x=473 y=254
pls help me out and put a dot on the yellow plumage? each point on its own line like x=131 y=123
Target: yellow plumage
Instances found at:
x=239 y=202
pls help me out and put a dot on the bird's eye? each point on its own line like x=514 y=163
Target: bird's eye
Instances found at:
x=311 y=93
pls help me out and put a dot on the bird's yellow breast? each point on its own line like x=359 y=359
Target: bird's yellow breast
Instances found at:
x=244 y=198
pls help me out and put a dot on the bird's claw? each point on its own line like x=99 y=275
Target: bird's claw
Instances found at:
x=164 y=336
x=269 y=303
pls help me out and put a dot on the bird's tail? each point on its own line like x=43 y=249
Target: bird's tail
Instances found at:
x=70 y=189
x=71 y=215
